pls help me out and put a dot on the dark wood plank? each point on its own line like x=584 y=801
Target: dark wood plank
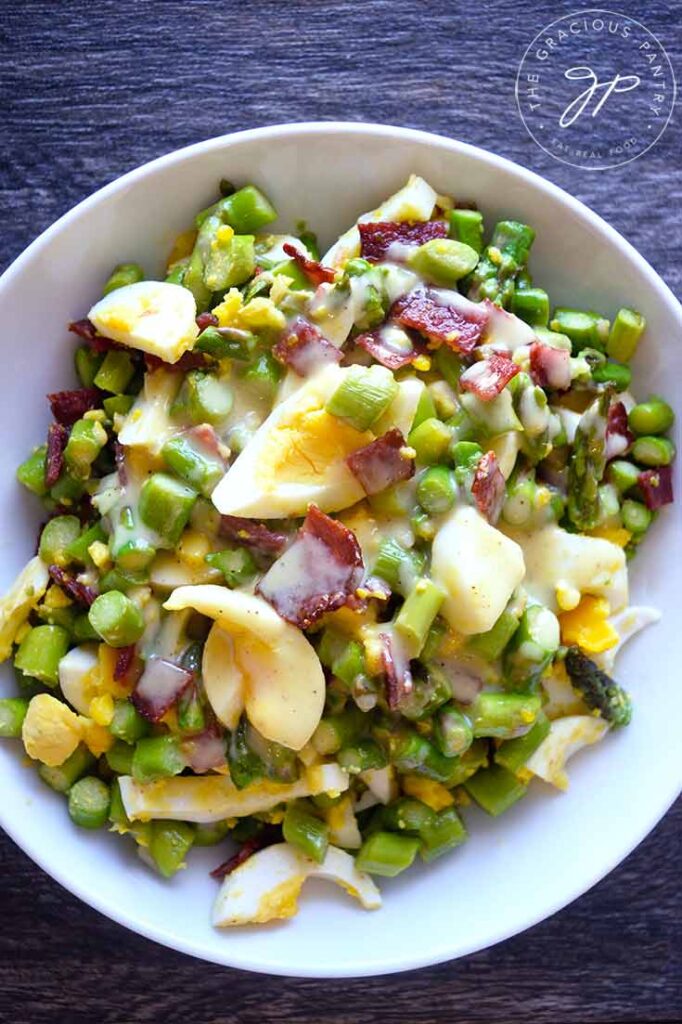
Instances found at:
x=89 y=91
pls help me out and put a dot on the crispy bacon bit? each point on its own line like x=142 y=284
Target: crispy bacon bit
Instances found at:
x=304 y=348
x=69 y=406
x=187 y=361
x=128 y=667
x=317 y=573
x=57 y=436
x=550 y=367
x=252 y=534
x=158 y=688
x=378 y=344
x=266 y=837
x=376 y=237
x=204 y=434
x=458 y=325
x=487 y=378
x=657 y=486
x=205 y=320
x=397 y=671
x=314 y=271
x=78 y=592
x=87 y=331
x=382 y=463
x=488 y=487
x=619 y=437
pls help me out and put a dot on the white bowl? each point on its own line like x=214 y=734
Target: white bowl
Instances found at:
x=548 y=849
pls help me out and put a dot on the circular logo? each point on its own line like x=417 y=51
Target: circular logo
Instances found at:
x=595 y=89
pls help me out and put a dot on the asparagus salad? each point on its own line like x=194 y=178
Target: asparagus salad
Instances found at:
x=334 y=547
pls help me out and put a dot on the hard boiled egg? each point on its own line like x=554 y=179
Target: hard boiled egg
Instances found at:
x=627 y=624
x=210 y=798
x=51 y=731
x=298 y=455
x=17 y=604
x=414 y=201
x=76 y=676
x=565 y=738
x=266 y=886
x=283 y=681
x=148 y=423
x=223 y=679
x=152 y=316
x=478 y=568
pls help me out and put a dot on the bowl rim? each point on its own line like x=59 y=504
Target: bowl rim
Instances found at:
x=656 y=809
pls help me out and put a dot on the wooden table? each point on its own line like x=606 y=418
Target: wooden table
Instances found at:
x=91 y=90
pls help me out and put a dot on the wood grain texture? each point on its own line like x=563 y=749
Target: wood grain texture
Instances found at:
x=89 y=91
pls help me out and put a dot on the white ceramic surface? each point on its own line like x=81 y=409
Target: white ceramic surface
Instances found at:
x=548 y=849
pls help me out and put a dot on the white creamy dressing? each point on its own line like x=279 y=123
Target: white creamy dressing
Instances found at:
x=574 y=563
x=148 y=424
x=505 y=331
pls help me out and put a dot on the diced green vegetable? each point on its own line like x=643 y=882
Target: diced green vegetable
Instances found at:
x=169 y=844
x=503 y=715
x=115 y=373
x=56 y=539
x=387 y=854
x=40 y=652
x=495 y=789
x=236 y=564
x=443 y=261
x=467 y=226
x=626 y=330
x=31 y=473
x=165 y=506
x=89 y=800
x=306 y=831
x=430 y=440
x=651 y=417
x=363 y=396
x=116 y=619
x=12 y=714
x=157 y=757
x=122 y=275
x=418 y=612
x=62 y=777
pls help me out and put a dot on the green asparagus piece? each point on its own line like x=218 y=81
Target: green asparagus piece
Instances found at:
x=443 y=261
x=306 y=831
x=532 y=647
x=12 y=714
x=495 y=789
x=89 y=800
x=452 y=731
x=116 y=619
x=387 y=854
x=31 y=473
x=115 y=372
x=651 y=417
x=157 y=757
x=169 y=844
x=40 y=652
x=445 y=833
x=587 y=464
x=87 y=363
x=467 y=226
x=503 y=715
x=418 y=612
x=363 y=396
x=598 y=690
x=122 y=275
x=165 y=506
x=626 y=330
x=56 y=539
x=62 y=777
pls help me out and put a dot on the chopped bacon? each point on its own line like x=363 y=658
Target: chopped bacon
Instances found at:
x=81 y=593
x=187 y=361
x=619 y=437
x=304 y=348
x=69 y=406
x=550 y=367
x=159 y=687
x=487 y=378
x=57 y=436
x=317 y=573
x=458 y=325
x=205 y=751
x=314 y=271
x=205 y=320
x=377 y=237
x=252 y=534
x=266 y=837
x=128 y=667
x=397 y=671
x=488 y=487
x=382 y=463
x=378 y=344
x=657 y=486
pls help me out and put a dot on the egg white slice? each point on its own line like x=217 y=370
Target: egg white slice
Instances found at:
x=20 y=599
x=223 y=679
x=152 y=316
x=266 y=886
x=565 y=738
x=207 y=798
x=284 y=685
x=75 y=676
